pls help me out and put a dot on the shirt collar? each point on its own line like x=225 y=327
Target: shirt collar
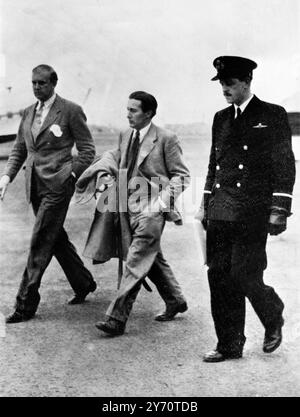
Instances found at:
x=143 y=132
x=48 y=103
x=243 y=105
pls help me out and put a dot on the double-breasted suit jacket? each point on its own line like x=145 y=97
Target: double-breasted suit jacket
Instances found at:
x=251 y=166
x=50 y=154
x=251 y=170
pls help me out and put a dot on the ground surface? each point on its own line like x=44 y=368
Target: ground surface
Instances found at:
x=61 y=353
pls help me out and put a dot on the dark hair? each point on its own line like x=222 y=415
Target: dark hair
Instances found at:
x=52 y=74
x=148 y=101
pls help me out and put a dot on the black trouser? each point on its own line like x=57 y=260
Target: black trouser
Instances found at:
x=49 y=238
x=236 y=259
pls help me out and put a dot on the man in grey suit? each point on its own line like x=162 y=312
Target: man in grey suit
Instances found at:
x=47 y=133
x=156 y=174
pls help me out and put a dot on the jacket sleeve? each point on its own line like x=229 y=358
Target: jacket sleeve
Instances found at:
x=83 y=140
x=283 y=163
x=210 y=177
x=178 y=171
x=17 y=155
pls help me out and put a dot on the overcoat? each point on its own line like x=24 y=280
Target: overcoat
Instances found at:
x=165 y=164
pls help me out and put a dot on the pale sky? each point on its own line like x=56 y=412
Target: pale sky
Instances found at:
x=165 y=47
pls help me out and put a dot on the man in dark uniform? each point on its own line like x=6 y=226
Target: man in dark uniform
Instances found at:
x=248 y=194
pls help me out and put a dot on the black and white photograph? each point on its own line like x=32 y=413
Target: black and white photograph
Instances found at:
x=149 y=201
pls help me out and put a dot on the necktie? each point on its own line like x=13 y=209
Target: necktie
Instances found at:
x=238 y=112
x=37 y=121
x=133 y=151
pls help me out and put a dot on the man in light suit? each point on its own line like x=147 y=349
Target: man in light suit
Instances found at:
x=248 y=194
x=47 y=133
x=152 y=158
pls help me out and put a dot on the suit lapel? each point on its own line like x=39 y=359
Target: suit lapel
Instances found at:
x=229 y=117
x=52 y=115
x=225 y=129
x=29 y=120
x=251 y=111
x=240 y=126
x=147 y=144
x=124 y=147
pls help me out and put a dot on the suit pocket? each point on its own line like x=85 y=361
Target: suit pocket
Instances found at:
x=61 y=178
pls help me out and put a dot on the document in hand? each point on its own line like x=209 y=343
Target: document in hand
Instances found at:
x=200 y=233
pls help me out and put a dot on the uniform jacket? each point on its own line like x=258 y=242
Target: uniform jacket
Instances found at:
x=160 y=156
x=251 y=165
x=50 y=155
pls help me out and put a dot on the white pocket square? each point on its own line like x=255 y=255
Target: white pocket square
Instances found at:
x=260 y=126
x=56 y=130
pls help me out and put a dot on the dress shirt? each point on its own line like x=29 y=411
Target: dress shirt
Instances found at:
x=45 y=111
x=143 y=132
x=47 y=106
x=242 y=106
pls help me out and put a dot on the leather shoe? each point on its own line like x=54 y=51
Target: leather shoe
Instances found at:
x=216 y=356
x=112 y=327
x=80 y=298
x=171 y=312
x=273 y=337
x=18 y=317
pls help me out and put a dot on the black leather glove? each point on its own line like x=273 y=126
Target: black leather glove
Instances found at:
x=277 y=221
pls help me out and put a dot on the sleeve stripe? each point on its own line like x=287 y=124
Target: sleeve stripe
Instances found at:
x=206 y=192
x=282 y=195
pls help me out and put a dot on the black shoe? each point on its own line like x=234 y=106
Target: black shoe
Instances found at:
x=171 y=312
x=273 y=337
x=215 y=356
x=18 y=317
x=80 y=298
x=111 y=326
